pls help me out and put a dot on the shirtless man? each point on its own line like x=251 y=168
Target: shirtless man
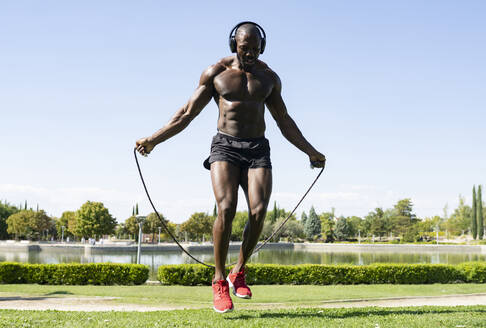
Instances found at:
x=241 y=85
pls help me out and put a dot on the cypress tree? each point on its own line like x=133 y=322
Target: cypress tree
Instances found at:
x=25 y=206
x=474 y=222
x=312 y=225
x=133 y=210
x=136 y=209
x=480 y=214
x=275 y=212
x=215 y=211
x=303 y=218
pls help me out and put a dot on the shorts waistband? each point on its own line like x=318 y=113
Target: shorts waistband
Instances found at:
x=230 y=137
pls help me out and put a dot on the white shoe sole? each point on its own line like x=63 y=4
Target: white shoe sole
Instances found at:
x=234 y=290
x=224 y=311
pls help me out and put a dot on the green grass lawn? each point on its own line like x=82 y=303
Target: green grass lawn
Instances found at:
x=470 y=316
x=294 y=306
x=201 y=296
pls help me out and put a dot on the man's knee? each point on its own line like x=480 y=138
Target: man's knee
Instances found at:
x=226 y=209
x=258 y=212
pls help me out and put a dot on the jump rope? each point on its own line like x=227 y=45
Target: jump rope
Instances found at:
x=313 y=164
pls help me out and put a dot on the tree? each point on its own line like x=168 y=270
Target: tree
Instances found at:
x=292 y=229
x=18 y=224
x=326 y=216
x=460 y=220
x=131 y=226
x=267 y=230
x=303 y=218
x=152 y=224
x=39 y=223
x=5 y=211
x=327 y=225
x=343 y=229
x=238 y=226
x=474 y=222
x=93 y=219
x=355 y=225
x=427 y=226
x=404 y=208
x=136 y=209
x=172 y=228
x=312 y=227
x=68 y=220
x=198 y=225
x=275 y=214
x=403 y=218
x=376 y=223
x=28 y=224
x=121 y=231
x=480 y=214
x=412 y=234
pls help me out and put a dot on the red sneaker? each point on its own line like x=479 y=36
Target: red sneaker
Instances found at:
x=221 y=297
x=238 y=283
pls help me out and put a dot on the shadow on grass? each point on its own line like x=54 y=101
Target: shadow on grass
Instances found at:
x=350 y=313
x=59 y=292
x=34 y=298
x=386 y=312
x=18 y=298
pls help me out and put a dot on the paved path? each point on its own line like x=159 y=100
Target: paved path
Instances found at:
x=108 y=304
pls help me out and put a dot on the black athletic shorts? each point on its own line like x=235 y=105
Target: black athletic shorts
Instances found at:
x=245 y=153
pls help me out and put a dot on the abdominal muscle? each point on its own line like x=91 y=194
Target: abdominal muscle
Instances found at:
x=242 y=119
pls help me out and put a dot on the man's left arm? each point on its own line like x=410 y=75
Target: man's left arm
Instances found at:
x=287 y=126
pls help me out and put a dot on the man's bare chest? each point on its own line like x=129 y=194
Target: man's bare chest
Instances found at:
x=235 y=85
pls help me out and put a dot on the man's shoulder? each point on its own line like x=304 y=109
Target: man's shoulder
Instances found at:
x=212 y=71
x=262 y=66
x=226 y=62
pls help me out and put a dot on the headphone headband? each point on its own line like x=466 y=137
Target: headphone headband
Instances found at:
x=261 y=31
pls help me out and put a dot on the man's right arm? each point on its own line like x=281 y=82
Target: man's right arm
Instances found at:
x=186 y=114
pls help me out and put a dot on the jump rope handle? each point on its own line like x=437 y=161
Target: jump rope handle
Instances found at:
x=315 y=164
x=135 y=150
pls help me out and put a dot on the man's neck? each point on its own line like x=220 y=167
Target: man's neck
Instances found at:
x=243 y=67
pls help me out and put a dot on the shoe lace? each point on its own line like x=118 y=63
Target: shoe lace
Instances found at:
x=219 y=289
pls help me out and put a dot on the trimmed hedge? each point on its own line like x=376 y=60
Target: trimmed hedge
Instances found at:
x=73 y=274
x=317 y=274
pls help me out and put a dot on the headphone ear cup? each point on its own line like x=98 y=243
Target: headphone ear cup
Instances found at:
x=263 y=43
x=232 y=44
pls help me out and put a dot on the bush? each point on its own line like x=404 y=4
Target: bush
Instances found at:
x=474 y=271
x=185 y=274
x=316 y=274
x=74 y=274
x=11 y=273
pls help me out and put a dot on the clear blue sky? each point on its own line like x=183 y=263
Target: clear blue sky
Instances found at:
x=392 y=92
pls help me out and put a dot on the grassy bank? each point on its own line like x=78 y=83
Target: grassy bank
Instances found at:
x=470 y=316
x=200 y=296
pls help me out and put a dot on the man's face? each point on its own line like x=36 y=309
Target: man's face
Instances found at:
x=247 y=49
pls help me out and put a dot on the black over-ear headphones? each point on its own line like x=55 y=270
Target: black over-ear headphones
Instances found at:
x=232 y=40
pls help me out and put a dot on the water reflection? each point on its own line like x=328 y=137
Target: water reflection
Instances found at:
x=287 y=256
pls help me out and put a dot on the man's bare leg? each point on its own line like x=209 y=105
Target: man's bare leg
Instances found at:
x=257 y=184
x=226 y=179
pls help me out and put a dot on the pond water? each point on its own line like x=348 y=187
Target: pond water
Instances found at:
x=281 y=256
